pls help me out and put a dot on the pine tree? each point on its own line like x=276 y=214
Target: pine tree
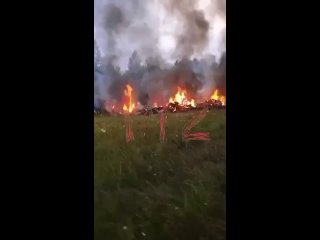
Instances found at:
x=134 y=63
x=97 y=56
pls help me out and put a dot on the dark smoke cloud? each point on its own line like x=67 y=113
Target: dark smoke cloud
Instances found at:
x=193 y=36
x=126 y=26
x=114 y=18
x=184 y=76
x=113 y=24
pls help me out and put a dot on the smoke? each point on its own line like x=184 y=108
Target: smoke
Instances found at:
x=166 y=29
x=193 y=34
x=152 y=83
x=113 y=24
x=124 y=26
x=157 y=45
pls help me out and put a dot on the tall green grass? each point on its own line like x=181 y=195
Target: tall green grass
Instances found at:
x=151 y=190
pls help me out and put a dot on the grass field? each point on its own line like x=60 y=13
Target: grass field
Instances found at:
x=152 y=190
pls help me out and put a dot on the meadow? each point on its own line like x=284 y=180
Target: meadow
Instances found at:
x=146 y=189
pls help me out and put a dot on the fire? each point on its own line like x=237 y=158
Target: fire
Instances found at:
x=215 y=96
x=180 y=97
x=128 y=93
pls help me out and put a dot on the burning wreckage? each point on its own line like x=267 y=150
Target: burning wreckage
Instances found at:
x=178 y=103
x=176 y=107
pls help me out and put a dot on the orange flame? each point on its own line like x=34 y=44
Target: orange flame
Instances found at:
x=128 y=93
x=215 y=96
x=180 y=97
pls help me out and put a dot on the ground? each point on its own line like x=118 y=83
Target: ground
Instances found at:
x=152 y=190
